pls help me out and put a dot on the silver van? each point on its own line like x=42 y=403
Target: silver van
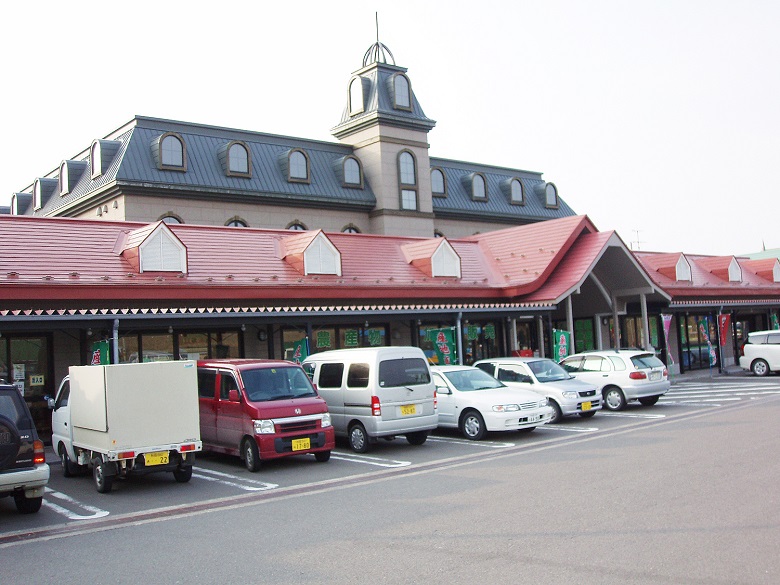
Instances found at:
x=376 y=392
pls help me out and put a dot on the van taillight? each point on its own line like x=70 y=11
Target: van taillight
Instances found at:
x=376 y=408
x=637 y=376
x=39 y=456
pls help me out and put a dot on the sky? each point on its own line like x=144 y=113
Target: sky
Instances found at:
x=657 y=119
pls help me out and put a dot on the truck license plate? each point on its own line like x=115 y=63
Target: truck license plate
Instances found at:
x=408 y=409
x=301 y=444
x=156 y=458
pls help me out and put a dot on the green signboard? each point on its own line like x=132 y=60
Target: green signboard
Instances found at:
x=445 y=352
x=297 y=351
x=561 y=341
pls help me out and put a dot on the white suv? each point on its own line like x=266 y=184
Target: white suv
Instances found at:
x=621 y=375
x=761 y=352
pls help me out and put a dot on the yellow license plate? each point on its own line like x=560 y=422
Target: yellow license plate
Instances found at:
x=408 y=409
x=586 y=406
x=301 y=444
x=156 y=458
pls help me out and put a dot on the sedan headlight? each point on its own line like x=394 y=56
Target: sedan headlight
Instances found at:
x=544 y=402
x=569 y=394
x=505 y=408
x=326 y=420
x=264 y=427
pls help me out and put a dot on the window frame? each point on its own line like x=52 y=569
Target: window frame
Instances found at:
x=163 y=166
x=547 y=203
x=247 y=152
x=512 y=200
x=405 y=187
x=290 y=177
x=442 y=193
x=394 y=80
x=474 y=197
x=354 y=111
x=344 y=182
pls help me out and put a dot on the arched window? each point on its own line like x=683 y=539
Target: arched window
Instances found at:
x=171 y=151
x=236 y=222
x=94 y=158
x=478 y=187
x=516 y=190
x=299 y=166
x=356 y=104
x=297 y=226
x=64 y=178
x=438 y=183
x=171 y=218
x=550 y=195
x=350 y=229
x=401 y=92
x=352 y=172
x=238 y=159
x=407 y=177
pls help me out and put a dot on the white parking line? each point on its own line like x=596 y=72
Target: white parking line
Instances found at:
x=247 y=484
x=630 y=415
x=369 y=460
x=570 y=429
x=484 y=444
x=70 y=515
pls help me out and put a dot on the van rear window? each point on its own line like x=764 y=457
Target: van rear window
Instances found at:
x=403 y=372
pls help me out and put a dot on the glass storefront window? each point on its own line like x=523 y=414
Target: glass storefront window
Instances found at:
x=194 y=346
x=24 y=362
x=157 y=347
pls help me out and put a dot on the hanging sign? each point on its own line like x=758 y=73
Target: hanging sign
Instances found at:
x=667 y=323
x=100 y=355
x=297 y=351
x=561 y=341
x=703 y=332
x=724 y=322
x=444 y=347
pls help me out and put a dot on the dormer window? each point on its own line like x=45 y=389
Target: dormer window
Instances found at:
x=169 y=152
x=163 y=252
x=298 y=167
x=101 y=153
x=356 y=100
x=407 y=177
x=402 y=95
x=438 y=183
x=64 y=189
x=516 y=192
x=353 y=173
x=550 y=195
x=682 y=269
x=238 y=160
x=478 y=187
x=735 y=271
x=94 y=157
x=321 y=257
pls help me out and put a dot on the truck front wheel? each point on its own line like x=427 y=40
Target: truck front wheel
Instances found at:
x=103 y=480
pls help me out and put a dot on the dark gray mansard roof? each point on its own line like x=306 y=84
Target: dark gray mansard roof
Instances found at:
x=129 y=164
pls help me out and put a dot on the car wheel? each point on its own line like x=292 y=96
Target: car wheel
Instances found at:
x=358 y=439
x=10 y=446
x=760 y=368
x=614 y=399
x=587 y=414
x=417 y=438
x=322 y=456
x=182 y=474
x=27 y=505
x=557 y=415
x=103 y=481
x=251 y=455
x=472 y=425
x=648 y=400
x=69 y=469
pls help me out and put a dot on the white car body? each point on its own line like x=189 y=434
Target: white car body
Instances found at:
x=621 y=375
x=567 y=395
x=761 y=352
x=462 y=390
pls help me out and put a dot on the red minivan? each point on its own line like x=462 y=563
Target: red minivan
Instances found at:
x=261 y=409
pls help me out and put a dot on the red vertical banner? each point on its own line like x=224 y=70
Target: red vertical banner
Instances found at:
x=724 y=322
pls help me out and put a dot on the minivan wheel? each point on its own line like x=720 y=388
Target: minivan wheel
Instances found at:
x=417 y=438
x=322 y=456
x=251 y=455
x=557 y=415
x=614 y=399
x=358 y=439
x=760 y=368
x=472 y=425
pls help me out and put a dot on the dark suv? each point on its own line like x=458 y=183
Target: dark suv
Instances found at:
x=23 y=469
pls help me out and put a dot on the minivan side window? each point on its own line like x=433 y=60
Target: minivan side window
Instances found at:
x=331 y=375
x=618 y=363
x=357 y=376
x=207 y=381
x=403 y=372
x=227 y=383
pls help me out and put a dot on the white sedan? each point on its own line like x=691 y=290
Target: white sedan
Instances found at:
x=475 y=402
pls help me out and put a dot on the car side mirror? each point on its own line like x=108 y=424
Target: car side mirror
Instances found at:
x=233 y=395
x=443 y=390
x=49 y=401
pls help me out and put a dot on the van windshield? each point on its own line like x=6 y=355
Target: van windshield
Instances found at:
x=403 y=372
x=265 y=384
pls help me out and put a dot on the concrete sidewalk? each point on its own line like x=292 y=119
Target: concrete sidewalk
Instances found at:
x=708 y=373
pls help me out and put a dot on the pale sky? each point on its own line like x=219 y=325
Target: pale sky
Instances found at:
x=657 y=119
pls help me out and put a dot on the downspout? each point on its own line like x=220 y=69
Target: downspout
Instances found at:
x=459 y=337
x=115 y=340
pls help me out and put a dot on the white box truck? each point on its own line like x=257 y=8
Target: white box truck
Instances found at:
x=127 y=418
